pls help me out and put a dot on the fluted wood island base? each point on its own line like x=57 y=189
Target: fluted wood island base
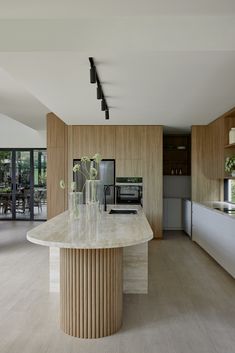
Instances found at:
x=90 y=291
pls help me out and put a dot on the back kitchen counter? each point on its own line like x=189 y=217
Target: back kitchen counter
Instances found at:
x=214 y=230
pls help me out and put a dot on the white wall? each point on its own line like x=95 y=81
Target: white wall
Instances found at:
x=14 y=134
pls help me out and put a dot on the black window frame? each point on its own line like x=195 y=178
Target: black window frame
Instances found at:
x=31 y=150
x=226 y=196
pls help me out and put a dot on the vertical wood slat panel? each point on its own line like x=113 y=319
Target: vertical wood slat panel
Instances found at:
x=101 y=288
x=91 y=292
x=81 y=306
x=85 y=295
x=97 y=293
x=105 y=265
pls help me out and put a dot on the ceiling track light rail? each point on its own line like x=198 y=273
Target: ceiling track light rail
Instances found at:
x=94 y=78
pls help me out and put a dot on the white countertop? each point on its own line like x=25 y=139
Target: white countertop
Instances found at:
x=218 y=204
x=90 y=232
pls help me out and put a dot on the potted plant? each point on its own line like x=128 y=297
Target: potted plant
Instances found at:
x=230 y=165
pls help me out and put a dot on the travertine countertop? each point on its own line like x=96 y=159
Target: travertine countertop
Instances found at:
x=93 y=231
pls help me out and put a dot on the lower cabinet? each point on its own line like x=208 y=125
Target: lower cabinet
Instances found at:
x=187 y=216
x=172 y=214
x=215 y=233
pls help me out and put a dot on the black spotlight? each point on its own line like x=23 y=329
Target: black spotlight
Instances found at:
x=99 y=92
x=106 y=114
x=93 y=74
x=103 y=105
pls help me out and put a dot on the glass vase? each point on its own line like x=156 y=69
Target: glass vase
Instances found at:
x=93 y=192
x=75 y=202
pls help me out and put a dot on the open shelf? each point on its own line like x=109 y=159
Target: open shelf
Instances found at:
x=232 y=145
x=176 y=155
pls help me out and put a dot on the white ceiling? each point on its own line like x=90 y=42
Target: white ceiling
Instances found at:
x=176 y=70
x=19 y=104
x=93 y=8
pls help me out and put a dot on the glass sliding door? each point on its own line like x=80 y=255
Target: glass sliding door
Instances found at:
x=6 y=185
x=40 y=187
x=23 y=184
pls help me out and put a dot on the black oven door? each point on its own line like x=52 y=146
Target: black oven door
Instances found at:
x=129 y=194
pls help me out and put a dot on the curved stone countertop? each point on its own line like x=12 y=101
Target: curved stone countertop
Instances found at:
x=93 y=231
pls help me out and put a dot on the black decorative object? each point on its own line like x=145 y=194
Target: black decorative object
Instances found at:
x=99 y=92
x=94 y=78
x=106 y=114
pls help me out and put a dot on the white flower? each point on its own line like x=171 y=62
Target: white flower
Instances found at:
x=85 y=159
x=62 y=184
x=93 y=173
x=97 y=158
x=76 y=168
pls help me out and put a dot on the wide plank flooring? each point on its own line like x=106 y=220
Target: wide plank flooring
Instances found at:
x=190 y=307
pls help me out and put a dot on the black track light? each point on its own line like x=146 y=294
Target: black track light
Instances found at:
x=107 y=114
x=93 y=74
x=103 y=105
x=99 y=92
x=94 y=78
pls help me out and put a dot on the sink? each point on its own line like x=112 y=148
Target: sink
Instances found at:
x=117 y=211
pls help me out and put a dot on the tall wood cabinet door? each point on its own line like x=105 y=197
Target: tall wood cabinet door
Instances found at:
x=129 y=168
x=128 y=142
x=152 y=163
x=88 y=140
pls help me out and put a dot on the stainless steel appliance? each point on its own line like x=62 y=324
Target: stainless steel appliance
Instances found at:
x=106 y=176
x=129 y=190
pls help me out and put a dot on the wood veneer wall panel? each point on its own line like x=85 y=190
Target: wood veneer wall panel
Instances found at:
x=90 y=139
x=152 y=164
x=214 y=142
x=129 y=167
x=142 y=155
x=128 y=142
x=57 y=165
x=204 y=188
x=208 y=157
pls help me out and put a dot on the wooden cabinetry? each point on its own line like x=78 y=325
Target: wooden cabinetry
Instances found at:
x=137 y=151
x=91 y=139
x=177 y=155
x=56 y=165
x=218 y=145
x=128 y=142
x=209 y=151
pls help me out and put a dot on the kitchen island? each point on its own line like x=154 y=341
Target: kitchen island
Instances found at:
x=91 y=273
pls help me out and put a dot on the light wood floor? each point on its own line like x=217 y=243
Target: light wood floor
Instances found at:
x=190 y=307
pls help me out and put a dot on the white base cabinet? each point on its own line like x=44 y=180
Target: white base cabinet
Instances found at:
x=215 y=233
x=187 y=216
x=172 y=214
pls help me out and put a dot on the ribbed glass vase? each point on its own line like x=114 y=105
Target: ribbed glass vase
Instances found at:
x=93 y=192
x=75 y=202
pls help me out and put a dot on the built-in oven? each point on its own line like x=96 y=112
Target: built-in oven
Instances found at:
x=129 y=190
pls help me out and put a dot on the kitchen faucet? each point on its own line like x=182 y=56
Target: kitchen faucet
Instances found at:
x=107 y=188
